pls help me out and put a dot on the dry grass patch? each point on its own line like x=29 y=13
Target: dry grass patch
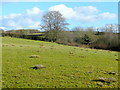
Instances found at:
x=34 y=56
x=38 y=66
x=107 y=80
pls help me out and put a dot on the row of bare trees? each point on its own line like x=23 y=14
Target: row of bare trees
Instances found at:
x=56 y=30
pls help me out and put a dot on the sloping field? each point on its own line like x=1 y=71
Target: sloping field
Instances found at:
x=66 y=66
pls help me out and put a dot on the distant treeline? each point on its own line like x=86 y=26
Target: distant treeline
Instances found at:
x=79 y=37
x=24 y=33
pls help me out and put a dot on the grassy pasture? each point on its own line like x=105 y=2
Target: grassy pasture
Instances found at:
x=66 y=66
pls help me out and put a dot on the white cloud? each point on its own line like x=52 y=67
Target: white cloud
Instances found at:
x=11 y=23
x=87 y=10
x=2 y=28
x=86 y=18
x=13 y=15
x=107 y=15
x=64 y=10
x=34 y=11
x=29 y=19
x=82 y=13
x=86 y=13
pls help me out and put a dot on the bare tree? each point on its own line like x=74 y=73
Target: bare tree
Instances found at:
x=53 y=23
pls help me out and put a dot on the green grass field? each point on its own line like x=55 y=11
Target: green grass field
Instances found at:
x=66 y=66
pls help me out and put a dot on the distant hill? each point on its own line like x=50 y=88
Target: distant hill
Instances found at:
x=24 y=31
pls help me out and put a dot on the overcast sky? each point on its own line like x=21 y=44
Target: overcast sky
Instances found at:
x=19 y=15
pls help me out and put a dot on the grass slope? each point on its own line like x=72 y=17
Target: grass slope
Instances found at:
x=66 y=66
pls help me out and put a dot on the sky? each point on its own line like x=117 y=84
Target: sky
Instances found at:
x=60 y=0
x=27 y=15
